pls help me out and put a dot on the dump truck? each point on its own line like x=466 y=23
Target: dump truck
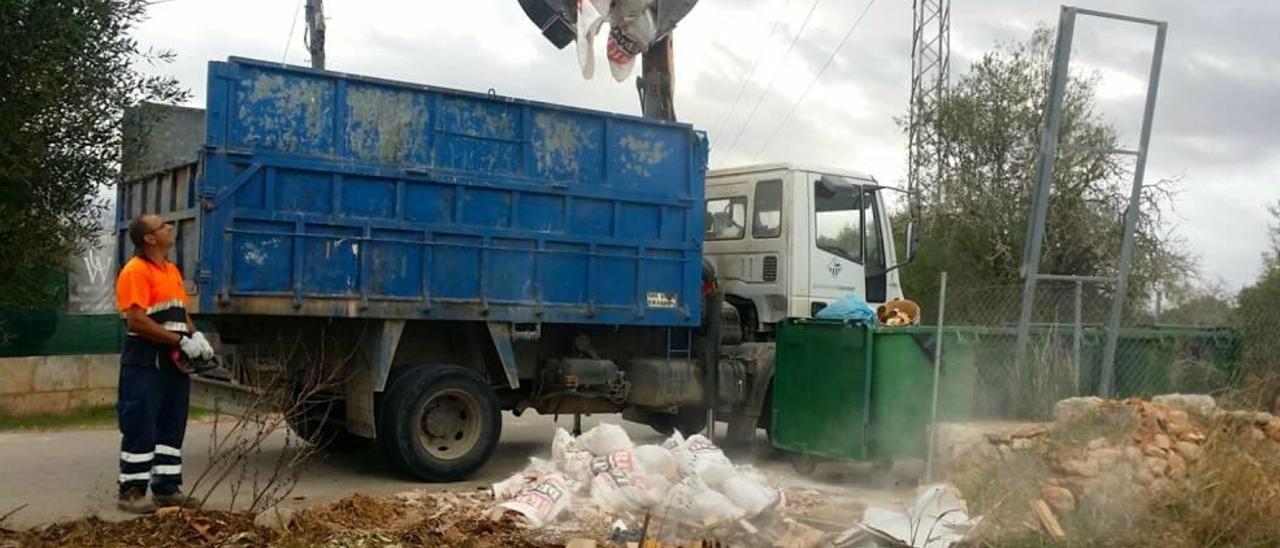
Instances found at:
x=414 y=260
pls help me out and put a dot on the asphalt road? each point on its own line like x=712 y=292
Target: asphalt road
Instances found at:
x=71 y=474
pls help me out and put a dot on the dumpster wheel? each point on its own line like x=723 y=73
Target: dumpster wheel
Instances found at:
x=803 y=464
x=439 y=422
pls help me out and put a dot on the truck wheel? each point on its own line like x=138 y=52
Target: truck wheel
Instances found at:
x=320 y=423
x=439 y=422
x=688 y=420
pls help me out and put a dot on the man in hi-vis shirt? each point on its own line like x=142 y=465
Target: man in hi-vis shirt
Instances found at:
x=154 y=367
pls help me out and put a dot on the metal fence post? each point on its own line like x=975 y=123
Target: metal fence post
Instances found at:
x=1131 y=218
x=1077 y=338
x=1044 y=183
x=937 y=378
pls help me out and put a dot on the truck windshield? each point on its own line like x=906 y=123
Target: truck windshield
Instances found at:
x=838 y=217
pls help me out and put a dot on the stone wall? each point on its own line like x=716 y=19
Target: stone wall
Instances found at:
x=57 y=384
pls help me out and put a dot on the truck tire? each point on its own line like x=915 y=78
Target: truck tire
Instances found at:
x=439 y=423
x=688 y=420
x=320 y=423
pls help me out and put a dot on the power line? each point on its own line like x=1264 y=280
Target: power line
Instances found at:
x=773 y=79
x=809 y=88
x=742 y=86
x=284 y=58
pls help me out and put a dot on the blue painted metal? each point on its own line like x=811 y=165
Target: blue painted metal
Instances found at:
x=337 y=195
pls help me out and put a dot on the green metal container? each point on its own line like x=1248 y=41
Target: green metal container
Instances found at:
x=850 y=392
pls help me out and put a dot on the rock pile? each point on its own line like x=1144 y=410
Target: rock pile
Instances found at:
x=1106 y=454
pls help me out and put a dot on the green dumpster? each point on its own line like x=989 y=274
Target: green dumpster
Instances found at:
x=850 y=392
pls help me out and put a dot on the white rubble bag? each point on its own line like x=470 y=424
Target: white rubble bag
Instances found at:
x=672 y=442
x=624 y=460
x=631 y=31
x=510 y=487
x=604 y=439
x=658 y=461
x=630 y=491
x=538 y=504
x=570 y=459
x=747 y=490
x=692 y=502
x=592 y=15
x=701 y=458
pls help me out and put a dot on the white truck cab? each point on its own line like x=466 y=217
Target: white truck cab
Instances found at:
x=787 y=241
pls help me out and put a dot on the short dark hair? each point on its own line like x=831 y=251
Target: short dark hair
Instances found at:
x=138 y=228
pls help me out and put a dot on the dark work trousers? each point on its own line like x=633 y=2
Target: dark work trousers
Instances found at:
x=152 y=409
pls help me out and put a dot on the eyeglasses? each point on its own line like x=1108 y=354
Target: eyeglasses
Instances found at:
x=160 y=226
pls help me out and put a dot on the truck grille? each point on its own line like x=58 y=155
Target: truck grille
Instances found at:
x=770 y=268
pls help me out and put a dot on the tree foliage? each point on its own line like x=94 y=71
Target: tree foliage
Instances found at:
x=974 y=210
x=1258 y=312
x=68 y=68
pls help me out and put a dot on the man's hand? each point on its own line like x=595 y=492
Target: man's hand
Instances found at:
x=191 y=347
x=206 y=348
x=196 y=347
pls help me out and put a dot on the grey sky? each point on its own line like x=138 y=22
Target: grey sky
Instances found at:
x=1217 y=121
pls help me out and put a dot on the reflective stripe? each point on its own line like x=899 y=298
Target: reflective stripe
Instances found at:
x=167 y=469
x=165 y=305
x=168 y=451
x=176 y=327
x=136 y=457
x=140 y=476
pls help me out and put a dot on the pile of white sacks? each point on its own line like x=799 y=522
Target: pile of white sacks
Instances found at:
x=686 y=480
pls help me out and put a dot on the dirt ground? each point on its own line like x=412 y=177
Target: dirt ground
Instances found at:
x=356 y=499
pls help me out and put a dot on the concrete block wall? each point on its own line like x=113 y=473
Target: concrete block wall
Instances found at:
x=37 y=385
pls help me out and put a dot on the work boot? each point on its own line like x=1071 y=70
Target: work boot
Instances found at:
x=176 y=498
x=134 y=501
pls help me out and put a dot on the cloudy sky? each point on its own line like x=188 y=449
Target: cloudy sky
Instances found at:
x=1217 y=121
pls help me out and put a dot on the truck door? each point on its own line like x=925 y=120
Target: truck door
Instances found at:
x=837 y=251
x=876 y=259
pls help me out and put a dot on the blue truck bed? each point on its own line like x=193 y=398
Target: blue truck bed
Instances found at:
x=334 y=195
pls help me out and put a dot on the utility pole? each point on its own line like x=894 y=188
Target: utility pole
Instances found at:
x=930 y=67
x=656 y=83
x=315 y=33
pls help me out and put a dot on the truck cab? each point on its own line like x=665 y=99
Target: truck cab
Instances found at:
x=786 y=241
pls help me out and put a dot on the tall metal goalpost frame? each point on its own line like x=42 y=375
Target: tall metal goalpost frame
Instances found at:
x=1044 y=182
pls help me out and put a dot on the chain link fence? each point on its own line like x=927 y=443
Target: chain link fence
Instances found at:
x=1222 y=354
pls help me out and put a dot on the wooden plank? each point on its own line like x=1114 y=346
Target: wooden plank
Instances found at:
x=1047 y=520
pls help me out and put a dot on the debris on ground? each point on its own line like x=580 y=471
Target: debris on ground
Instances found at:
x=685 y=492
x=179 y=528
x=682 y=490
x=1173 y=471
x=937 y=519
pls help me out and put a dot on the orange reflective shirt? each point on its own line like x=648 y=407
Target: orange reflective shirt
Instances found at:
x=157 y=290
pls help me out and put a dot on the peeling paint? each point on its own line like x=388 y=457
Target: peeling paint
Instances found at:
x=473 y=119
x=384 y=125
x=277 y=110
x=254 y=255
x=639 y=155
x=558 y=150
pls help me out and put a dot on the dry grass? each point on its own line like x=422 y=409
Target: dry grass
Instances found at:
x=1231 y=498
x=1113 y=423
x=1259 y=389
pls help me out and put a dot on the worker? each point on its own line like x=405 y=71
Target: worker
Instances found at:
x=154 y=386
